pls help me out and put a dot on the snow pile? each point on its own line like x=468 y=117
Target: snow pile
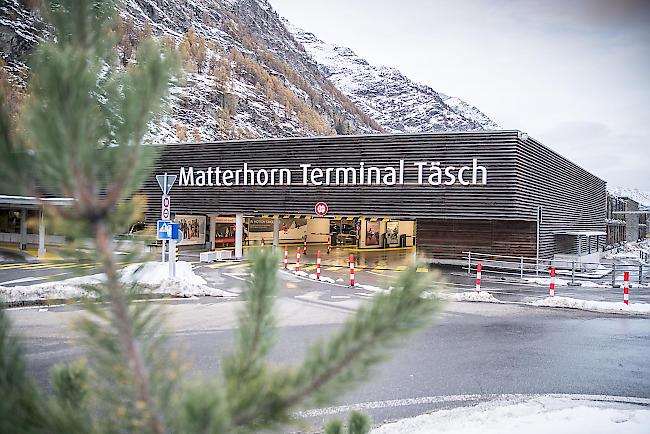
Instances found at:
x=630 y=250
x=151 y=275
x=372 y=288
x=155 y=273
x=482 y=296
x=530 y=415
x=322 y=278
x=314 y=277
x=597 y=306
x=69 y=288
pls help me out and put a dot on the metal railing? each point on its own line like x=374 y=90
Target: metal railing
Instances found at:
x=522 y=268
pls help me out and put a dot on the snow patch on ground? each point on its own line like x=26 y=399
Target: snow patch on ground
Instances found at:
x=531 y=415
x=596 y=306
x=155 y=273
x=482 y=296
x=630 y=250
x=546 y=281
x=153 y=276
x=373 y=288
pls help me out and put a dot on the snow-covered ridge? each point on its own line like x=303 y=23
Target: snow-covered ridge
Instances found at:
x=385 y=94
x=216 y=102
x=640 y=196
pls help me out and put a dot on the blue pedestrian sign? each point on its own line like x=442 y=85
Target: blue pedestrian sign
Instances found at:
x=167 y=230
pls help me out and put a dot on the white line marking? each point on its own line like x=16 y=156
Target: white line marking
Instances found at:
x=31 y=279
x=236 y=276
x=24 y=279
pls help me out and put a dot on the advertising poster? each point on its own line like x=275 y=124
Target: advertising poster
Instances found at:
x=372 y=233
x=224 y=233
x=288 y=224
x=392 y=233
x=260 y=225
x=193 y=228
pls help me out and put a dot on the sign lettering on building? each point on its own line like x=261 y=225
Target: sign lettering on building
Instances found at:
x=425 y=173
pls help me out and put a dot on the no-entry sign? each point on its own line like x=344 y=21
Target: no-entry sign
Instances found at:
x=321 y=209
x=165 y=212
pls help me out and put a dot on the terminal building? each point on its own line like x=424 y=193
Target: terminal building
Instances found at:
x=493 y=192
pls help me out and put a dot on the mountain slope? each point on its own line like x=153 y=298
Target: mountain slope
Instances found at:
x=642 y=197
x=398 y=104
x=245 y=74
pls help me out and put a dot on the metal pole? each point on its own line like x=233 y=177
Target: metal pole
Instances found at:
x=41 y=235
x=172 y=258
x=614 y=275
x=521 y=269
x=640 y=274
x=469 y=262
x=573 y=272
x=239 y=235
x=539 y=222
x=163 y=251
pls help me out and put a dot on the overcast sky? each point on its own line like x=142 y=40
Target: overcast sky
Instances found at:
x=574 y=74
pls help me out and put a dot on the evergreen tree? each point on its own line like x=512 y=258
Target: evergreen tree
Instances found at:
x=81 y=136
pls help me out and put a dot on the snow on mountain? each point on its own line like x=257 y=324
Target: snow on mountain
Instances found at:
x=642 y=197
x=395 y=101
x=253 y=80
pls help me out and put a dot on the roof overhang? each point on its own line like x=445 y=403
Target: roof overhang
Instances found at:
x=580 y=233
x=33 y=202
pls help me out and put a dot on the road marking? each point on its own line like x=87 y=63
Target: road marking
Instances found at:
x=335 y=268
x=422 y=270
x=461 y=398
x=236 y=276
x=309 y=267
x=14 y=266
x=401 y=267
x=24 y=279
x=339 y=296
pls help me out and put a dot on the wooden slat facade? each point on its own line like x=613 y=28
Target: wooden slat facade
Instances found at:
x=522 y=175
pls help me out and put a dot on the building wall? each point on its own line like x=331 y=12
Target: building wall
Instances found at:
x=448 y=239
x=522 y=175
x=631 y=220
x=571 y=198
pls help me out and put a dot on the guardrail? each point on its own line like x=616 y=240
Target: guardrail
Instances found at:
x=522 y=267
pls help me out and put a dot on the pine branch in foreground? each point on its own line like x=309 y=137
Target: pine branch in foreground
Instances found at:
x=81 y=137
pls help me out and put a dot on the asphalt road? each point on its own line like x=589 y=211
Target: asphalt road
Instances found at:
x=472 y=348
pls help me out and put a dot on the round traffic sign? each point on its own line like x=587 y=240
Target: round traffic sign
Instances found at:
x=321 y=209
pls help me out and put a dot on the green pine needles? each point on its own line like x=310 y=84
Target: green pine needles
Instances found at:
x=80 y=135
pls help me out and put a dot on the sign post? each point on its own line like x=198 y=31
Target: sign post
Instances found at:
x=168 y=231
x=321 y=209
x=165 y=182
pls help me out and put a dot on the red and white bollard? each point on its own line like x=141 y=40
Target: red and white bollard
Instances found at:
x=552 y=287
x=262 y=242
x=626 y=287
x=479 y=267
x=298 y=259
x=351 y=270
x=329 y=246
x=304 y=247
x=318 y=265
x=286 y=257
